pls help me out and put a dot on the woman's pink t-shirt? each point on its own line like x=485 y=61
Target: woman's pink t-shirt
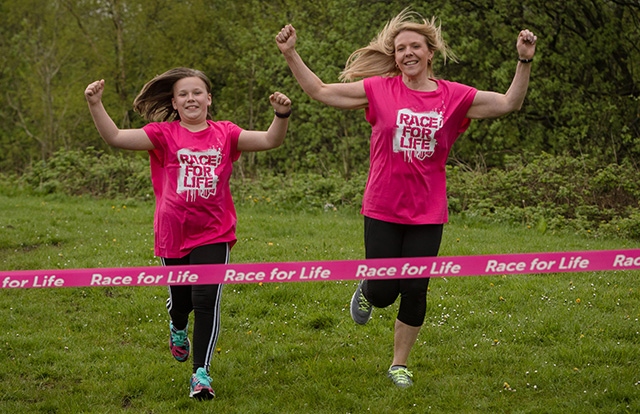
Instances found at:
x=411 y=135
x=190 y=173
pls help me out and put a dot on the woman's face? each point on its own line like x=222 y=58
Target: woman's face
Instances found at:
x=412 y=53
x=191 y=99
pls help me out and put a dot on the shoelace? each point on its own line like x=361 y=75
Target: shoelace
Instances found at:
x=401 y=376
x=202 y=378
x=363 y=303
x=178 y=337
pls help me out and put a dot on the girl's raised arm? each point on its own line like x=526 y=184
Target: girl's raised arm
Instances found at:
x=131 y=139
x=274 y=136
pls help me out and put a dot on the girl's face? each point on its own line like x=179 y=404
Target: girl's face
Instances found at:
x=412 y=53
x=191 y=99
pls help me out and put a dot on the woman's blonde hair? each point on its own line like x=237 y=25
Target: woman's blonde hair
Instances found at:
x=154 y=100
x=378 y=58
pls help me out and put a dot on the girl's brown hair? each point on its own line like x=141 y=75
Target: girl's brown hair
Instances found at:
x=154 y=100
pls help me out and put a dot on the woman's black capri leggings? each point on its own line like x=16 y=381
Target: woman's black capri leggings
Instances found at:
x=384 y=240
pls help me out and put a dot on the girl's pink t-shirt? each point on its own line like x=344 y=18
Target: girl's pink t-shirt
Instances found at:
x=412 y=134
x=190 y=172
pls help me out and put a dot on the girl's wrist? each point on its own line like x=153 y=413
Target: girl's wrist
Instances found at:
x=283 y=115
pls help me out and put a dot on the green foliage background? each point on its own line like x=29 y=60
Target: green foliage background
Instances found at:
x=546 y=193
x=583 y=97
x=568 y=158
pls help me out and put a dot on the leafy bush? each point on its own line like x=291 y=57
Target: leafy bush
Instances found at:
x=559 y=191
x=301 y=190
x=91 y=172
x=547 y=192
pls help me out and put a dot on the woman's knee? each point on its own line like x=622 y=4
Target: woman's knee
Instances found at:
x=412 y=311
x=381 y=293
x=413 y=301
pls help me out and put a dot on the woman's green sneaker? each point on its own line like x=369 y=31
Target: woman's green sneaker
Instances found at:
x=360 y=306
x=400 y=376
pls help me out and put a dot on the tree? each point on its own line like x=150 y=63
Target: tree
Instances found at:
x=39 y=58
x=584 y=96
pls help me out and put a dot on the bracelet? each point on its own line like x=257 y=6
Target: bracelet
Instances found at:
x=286 y=115
x=525 y=60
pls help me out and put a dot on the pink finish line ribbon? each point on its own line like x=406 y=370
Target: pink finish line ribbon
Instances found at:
x=396 y=268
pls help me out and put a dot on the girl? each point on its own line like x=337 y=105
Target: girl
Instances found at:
x=195 y=219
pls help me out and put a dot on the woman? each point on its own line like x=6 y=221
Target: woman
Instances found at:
x=415 y=119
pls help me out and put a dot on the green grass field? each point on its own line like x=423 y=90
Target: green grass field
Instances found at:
x=552 y=343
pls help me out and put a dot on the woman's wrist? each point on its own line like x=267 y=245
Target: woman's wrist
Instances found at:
x=521 y=60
